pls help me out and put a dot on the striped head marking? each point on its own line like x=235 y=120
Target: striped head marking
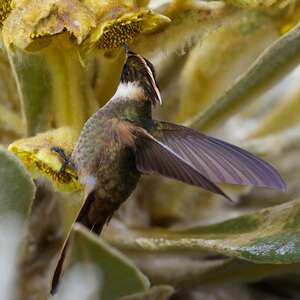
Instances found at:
x=138 y=70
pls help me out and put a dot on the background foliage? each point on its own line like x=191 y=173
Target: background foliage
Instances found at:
x=227 y=68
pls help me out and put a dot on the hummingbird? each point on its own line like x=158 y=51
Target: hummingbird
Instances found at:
x=121 y=142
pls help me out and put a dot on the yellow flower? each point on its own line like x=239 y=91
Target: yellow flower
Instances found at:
x=40 y=160
x=6 y=7
x=116 y=32
x=92 y=24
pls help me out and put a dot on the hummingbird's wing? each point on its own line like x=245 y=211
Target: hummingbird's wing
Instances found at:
x=152 y=157
x=217 y=160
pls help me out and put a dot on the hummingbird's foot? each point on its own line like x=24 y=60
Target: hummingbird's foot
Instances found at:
x=66 y=159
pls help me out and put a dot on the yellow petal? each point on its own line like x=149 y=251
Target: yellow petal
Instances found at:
x=37 y=156
x=116 y=32
x=33 y=19
x=6 y=6
x=104 y=24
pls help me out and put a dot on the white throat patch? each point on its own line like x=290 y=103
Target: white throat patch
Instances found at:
x=129 y=90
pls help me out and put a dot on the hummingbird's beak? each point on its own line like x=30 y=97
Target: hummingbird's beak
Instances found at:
x=128 y=52
x=126 y=48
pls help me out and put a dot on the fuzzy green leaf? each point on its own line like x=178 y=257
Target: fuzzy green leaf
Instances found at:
x=53 y=86
x=262 y=4
x=33 y=81
x=275 y=62
x=210 y=69
x=270 y=236
x=156 y=293
x=190 y=21
x=17 y=187
x=119 y=276
x=197 y=271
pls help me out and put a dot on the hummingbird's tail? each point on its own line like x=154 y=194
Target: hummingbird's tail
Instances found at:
x=59 y=268
x=95 y=227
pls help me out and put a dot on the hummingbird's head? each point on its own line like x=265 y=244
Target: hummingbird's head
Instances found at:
x=140 y=71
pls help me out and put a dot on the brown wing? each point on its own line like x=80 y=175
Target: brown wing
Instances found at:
x=154 y=158
x=217 y=160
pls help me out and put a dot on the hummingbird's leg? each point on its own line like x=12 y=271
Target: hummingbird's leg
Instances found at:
x=66 y=159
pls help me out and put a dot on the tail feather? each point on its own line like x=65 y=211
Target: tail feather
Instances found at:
x=82 y=218
x=59 y=268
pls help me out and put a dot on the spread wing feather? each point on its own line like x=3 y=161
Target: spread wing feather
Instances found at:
x=217 y=160
x=154 y=158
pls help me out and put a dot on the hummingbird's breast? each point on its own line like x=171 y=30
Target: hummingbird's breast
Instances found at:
x=104 y=158
x=107 y=168
x=104 y=154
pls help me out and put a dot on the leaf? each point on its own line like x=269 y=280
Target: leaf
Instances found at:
x=234 y=271
x=72 y=98
x=269 y=236
x=33 y=81
x=210 y=69
x=44 y=237
x=16 y=197
x=283 y=152
x=277 y=143
x=190 y=21
x=10 y=121
x=273 y=6
x=40 y=160
x=196 y=271
x=54 y=86
x=9 y=95
x=119 y=275
x=275 y=62
x=17 y=187
x=284 y=115
x=263 y=291
x=155 y=293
